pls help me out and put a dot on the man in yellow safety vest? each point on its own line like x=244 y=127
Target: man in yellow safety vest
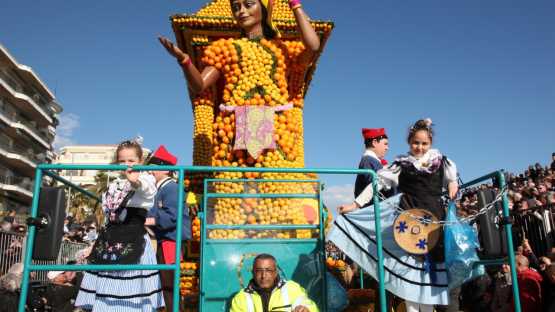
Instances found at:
x=267 y=292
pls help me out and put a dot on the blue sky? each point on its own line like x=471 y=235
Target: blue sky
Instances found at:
x=484 y=71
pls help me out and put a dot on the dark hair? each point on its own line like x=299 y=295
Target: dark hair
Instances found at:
x=268 y=32
x=421 y=124
x=369 y=142
x=264 y=256
x=129 y=144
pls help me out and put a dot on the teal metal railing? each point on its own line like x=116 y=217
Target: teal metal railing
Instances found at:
x=206 y=227
x=499 y=177
x=45 y=169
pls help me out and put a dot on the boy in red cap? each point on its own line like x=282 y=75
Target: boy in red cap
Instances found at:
x=377 y=144
x=163 y=218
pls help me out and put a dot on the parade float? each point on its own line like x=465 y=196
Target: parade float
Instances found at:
x=274 y=212
x=244 y=210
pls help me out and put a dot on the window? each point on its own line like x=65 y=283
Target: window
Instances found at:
x=73 y=173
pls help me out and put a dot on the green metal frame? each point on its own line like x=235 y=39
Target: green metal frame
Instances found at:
x=508 y=232
x=44 y=169
x=28 y=266
x=500 y=178
x=206 y=227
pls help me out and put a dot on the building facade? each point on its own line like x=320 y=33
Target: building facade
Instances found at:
x=86 y=155
x=28 y=120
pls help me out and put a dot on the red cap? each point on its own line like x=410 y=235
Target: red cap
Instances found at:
x=372 y=133
x=161 y=155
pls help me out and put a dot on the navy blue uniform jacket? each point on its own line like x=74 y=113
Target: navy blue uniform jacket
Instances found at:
x=363 y=180
x=164 y=212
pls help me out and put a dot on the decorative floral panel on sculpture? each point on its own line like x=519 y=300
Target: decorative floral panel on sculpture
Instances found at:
x=254 y=129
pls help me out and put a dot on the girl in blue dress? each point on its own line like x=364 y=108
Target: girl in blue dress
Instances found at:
x=421 y=176
x=124 y=241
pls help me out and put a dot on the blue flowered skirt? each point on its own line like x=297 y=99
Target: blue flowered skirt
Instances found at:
x=123 y=290
x=406 y=276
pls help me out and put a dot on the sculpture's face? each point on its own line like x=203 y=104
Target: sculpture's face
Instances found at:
x=247 y=13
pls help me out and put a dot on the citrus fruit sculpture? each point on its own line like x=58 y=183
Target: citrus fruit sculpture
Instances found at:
x=262 y=73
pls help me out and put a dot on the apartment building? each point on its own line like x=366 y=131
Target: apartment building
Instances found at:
x=28 y=120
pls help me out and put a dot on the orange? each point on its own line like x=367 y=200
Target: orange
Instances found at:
x=251 y=219
x=340 y=263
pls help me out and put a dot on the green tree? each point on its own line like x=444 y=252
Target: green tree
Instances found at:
x=78 y=203
x=83 y=207
x=102 y=180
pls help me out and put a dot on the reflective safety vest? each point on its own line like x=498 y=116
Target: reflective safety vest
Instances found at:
x=286 y=297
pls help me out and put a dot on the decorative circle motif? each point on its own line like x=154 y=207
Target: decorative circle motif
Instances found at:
x=240 y=265
x=415 y=232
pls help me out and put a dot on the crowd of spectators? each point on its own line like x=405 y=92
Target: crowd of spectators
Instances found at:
x=59 y=290
x=493 y=291
x=10 y=284
x=535 y=188
x=78 y=232
x=530 y=192
x=333 y=252
x=57 y=294
x=13 y=235
x=85 y=232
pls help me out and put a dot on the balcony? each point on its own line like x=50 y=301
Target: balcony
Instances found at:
x=22 y=182
x=9 y=115
x=23 y=160
x=26 y=103
x=19 y=187
x=50 y=156
x=28 y=82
